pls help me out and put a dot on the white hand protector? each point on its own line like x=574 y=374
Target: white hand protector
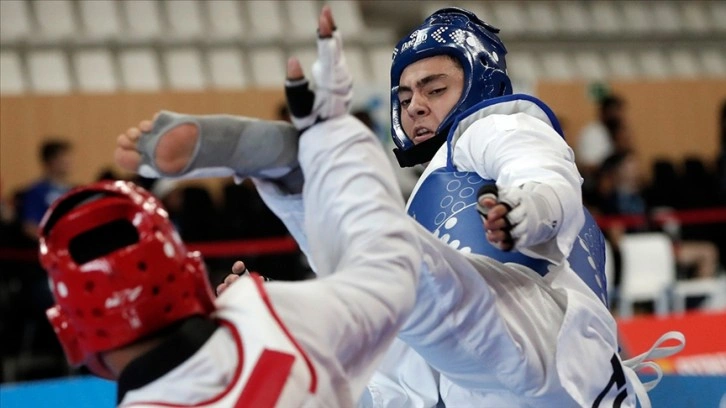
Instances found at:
x=536 y=213
x=333 y=86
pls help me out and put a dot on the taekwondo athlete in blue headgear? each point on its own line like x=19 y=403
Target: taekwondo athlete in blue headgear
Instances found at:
x=534 y=173
x=453 y=108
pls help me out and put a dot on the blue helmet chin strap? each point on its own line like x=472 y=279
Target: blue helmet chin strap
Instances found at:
x=475 y=44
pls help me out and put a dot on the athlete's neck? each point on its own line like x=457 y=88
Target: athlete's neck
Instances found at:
x=117 y=360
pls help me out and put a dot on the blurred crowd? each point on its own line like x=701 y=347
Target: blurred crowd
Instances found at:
x=615 y=188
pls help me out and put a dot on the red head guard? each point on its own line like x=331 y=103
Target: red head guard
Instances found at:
x=119 y=270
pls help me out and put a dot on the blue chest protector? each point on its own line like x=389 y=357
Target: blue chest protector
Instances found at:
x=445 y=204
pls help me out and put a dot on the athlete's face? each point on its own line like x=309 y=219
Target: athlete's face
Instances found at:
x=428 y=90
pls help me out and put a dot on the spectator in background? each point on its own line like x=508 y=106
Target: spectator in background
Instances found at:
x=55 y=156
x=618 y=130
x=283 y=113
x=721 y=160
x=596 y=143
x=621 y=186
x=7 y=213
x=107 y=173
x=172 y=196
x=36 y=352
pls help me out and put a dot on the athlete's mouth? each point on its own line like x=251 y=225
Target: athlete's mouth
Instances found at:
x=421 y=133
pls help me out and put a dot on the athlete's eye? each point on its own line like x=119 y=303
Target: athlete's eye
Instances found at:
x=437 y=91
x=404 y=102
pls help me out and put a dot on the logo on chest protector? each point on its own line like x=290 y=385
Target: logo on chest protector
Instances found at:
x=445 y=204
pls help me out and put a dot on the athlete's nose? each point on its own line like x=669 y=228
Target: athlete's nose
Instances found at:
x=417 y=107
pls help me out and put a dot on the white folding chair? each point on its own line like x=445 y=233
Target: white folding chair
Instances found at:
x=510 y=15
x=265 y=19
x=654 y=64
x=348 y=15
x=574 y=17
x=143 y=19
x=429 y=7
x=227 y=68
x=14 y=20
x=306 y=55
x=480 y=8
x=56 y=19
x=648 y=271
x=225 y=19
x=380 y=59
x=185 y=19
x=11 y=74
x=49 y=72
x=684 y=64
x=523 y=66
x=694 y=16
x=184 y=69
x=717 y=11
x=714 y=289
x=637 y=17
x=543 y=18
x=140 y=70
x=713 y=61
x=357 y=64
x=606 y=18
x=302 y=18
x=622 y=65
x=558 y=65
x=101 y=19
x=590 y=65
x=268 y=66
x=94 y=70
x=666 y=16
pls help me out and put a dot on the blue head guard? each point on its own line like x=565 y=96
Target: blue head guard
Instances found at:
x=475 y=44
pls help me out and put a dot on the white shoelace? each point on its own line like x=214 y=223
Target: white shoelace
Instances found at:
x=637 y=363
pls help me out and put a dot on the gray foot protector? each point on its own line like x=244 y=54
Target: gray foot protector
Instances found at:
x=247 y=146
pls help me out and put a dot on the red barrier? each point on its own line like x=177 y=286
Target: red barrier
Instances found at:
x=253 y=247
x=286 y=245
x=685 y=217
x=705 y=351
x=216 y=249
x=700 y=216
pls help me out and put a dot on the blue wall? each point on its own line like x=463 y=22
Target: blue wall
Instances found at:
x=87 y=392
x=77 y=392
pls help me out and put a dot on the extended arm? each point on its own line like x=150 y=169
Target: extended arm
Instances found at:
x=534 y=166
x=360 y=239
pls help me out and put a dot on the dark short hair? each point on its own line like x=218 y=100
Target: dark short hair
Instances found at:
x=52 y=149
x=613 y=126
x=283 y=113
x=456 y=60
x=613 y=162
x=610 y=102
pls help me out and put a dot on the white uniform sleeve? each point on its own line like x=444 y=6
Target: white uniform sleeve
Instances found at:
x=519 y=148
x=289 y=209
x=364 y=248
